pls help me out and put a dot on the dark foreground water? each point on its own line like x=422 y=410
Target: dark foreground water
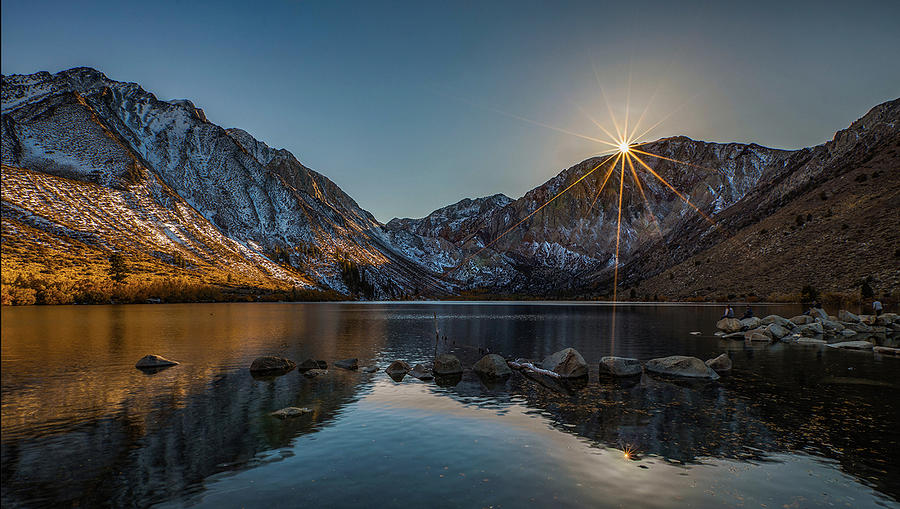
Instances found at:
x=792 y=426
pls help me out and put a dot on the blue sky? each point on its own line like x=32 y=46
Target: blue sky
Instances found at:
x=399 y=103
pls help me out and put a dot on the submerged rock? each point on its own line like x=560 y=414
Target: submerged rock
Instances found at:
x=398 y=369
x=729 y=325
x=153 y=361
x=447 y=364
x=369 y=369
x=620 y=366
x=347 y=363
x=421 y=372
x=312 y=373
x=271 y=364
x=720 y=364
x=492 y=366
x=681 y=365
x=312 y=364
x=853 y=345
x=567 y=363
x=291 y=411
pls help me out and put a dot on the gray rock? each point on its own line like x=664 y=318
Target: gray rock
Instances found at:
x=802 y=320
x=848 y=333
x=347 y=363
x=153 y=361
x=720 y=364
x=291 y=411
x=846 y=316
x=567 y=363
x=447 y=364
x=750 y=323
x=620 y=366
x=779 y=320
x=811 y=341
x=729 y=325
x=859 y=327
x=853 y=345
x=811 y=329
x=271 y=364
x=818 y=313
x=758 y=335
x=492 y=366
x=398 y=368
x=886 y=350
x=313 y=373
x=828 y=325
x=680 y=365
x=734 y=335
x=421 y=372
x=777 y=331
x=369 y=369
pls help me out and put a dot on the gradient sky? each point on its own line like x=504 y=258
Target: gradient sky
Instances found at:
x=398 y=103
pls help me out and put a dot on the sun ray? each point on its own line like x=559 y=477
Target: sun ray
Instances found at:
x=720 y=172
x=605 y=179
x=608 y=106
x=596 y=123
x=670 y=186
x=666 y=117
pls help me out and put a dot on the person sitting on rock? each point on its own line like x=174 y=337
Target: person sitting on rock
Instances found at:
x=748 y=313
x=877 y=308
x=729 y=312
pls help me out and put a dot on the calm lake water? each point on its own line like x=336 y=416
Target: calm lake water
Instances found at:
x=791 y=426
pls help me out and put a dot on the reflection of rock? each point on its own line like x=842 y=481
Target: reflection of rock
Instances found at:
x=271 y=365
x=290 y=411
x=681 y=365
x=492 y=366
x=729 y=325
x=720 y=364
x=620 y=366
x=568 y=363
x=154 y=362
x=312 y=364
x=397 y=369
x=447 y=364
x=421 y=372
x=313 y=373
x=853 y=345
x=448 y=380
x=347 y=363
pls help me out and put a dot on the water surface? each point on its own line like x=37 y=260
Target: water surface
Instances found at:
x=792 y=425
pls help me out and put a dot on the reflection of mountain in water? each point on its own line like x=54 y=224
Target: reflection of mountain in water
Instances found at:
x=114 y=462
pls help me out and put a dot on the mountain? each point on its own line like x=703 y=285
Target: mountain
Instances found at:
x=107 y=166
x=846 y=191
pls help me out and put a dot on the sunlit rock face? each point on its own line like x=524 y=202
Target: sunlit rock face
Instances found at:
x=79 y=124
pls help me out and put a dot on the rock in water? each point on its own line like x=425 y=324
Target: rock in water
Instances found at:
x=812 y=329
x=818 y=313
x=620 y=366
x=886 y=350
x=397 y=369
x=290 y=411
x=729 y=325
x=567 y=363
x=680 y=365
x=758 y=335
x=347 y=363
x=312 y=364
x=846 y=316
x=750 y=323
x=153 y=362
x=811 y=341
x=369 y=369
x=777 y=331
x=272 y=364
x=848 y=333
x=312 y=373
x=421 y=372
x=784 y=322
x=720 y=364
x=492 y=366
x=853 y=345
x=447 y=364
x=802 y=319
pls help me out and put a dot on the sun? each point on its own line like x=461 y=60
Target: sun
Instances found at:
x=623 y=147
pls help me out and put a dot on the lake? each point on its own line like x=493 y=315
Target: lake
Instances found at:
x=792 y=425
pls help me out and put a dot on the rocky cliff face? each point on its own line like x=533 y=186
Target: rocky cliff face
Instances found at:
x=80 y=125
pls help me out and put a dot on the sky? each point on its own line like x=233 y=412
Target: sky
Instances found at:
x=413 y=106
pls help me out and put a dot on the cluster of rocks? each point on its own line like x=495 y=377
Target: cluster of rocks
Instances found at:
x=817 y=327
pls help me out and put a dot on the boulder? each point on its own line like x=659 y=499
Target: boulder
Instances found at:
x=777 y=331
x=802 y=320
x=830 y=326
x=755 y=335
x=154 y=362
x=811 y=341
x=886 y=350
x=680 y=365
x=729 y=325
x=447 y=364
x=846 y=316
x=620 y=366
x=812 y=329
x=780 y=320
x=347 y=363
x=750 y=323
x=492 y=366
x=734 y=335
x=720 y=364
x=291 y=411
x=421 y=371
x=848 y=333
x=567 y=363
x=818 y=313
x=397 y=368
x=859 y=327
x=853 y=345
x=867 y=319
x=312 y=364
x=271 y=364
x=886 y=319
x=312 y=373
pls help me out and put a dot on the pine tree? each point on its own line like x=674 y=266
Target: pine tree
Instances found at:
x=118 y=270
